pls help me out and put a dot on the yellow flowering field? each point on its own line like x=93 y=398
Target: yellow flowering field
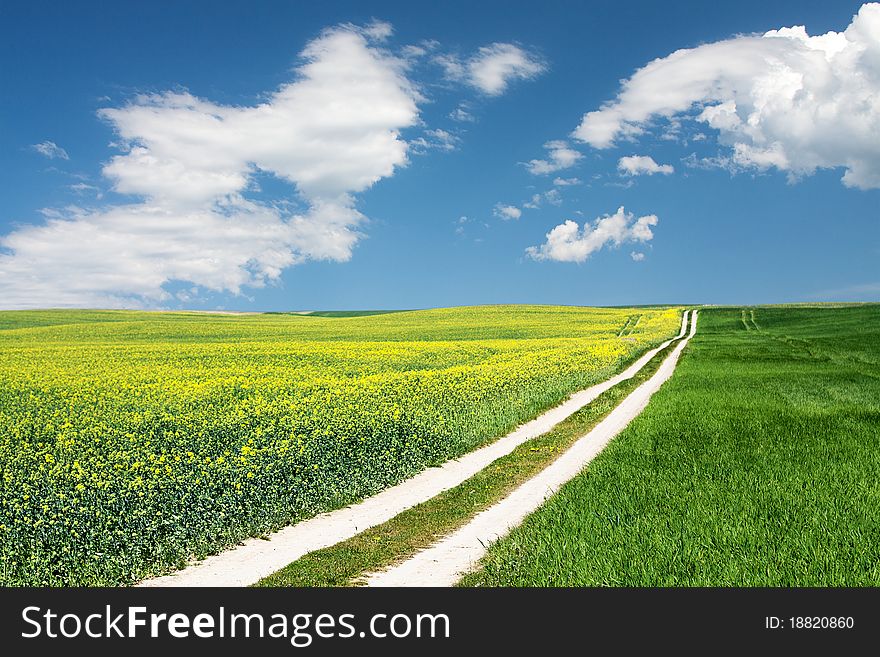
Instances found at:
x=133 y=441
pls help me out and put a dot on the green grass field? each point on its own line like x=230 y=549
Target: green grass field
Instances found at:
x=133 y=441
x=757 y=464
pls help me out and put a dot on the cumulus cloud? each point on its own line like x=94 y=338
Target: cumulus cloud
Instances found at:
x=637 y=256
x=568 y=242
x=783 y=100
x=332 y=132
x=637 y=165
x=51 y=150
x=121 y=257
x=506 y=212
x=559 y=156
x=492 y=67
x=566 y=182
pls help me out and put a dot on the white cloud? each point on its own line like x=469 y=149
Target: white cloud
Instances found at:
x=506 y=212
x=492 y=67
x=51 y=150
x=435 y=140
x=636 y=165
x=637 y=256
x=567 y=242
x=63 y=213
x=785 y=100
x=716 y=162
x=462 y=114
x=552 y=196
x=377 y=30
x=672 y=131
x=121 y=257
x=559 y=156
x=82 y=188
x=414 y=52
x=332 y=132
x=566 y=182
x=533 y=203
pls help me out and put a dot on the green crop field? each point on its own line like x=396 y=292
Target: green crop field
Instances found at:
x=131 y=441
x=757 y=464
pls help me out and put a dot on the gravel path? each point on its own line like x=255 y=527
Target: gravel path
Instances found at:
x=256 y=558
x=446 y=561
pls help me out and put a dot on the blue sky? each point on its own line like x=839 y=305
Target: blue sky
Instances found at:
x=287 y=155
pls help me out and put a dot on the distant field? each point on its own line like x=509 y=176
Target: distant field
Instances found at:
x=131 y=441
x=349 y=313
x=757 y=464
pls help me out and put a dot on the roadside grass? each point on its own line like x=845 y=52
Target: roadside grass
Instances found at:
x=757 y=464
x=417 y=528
